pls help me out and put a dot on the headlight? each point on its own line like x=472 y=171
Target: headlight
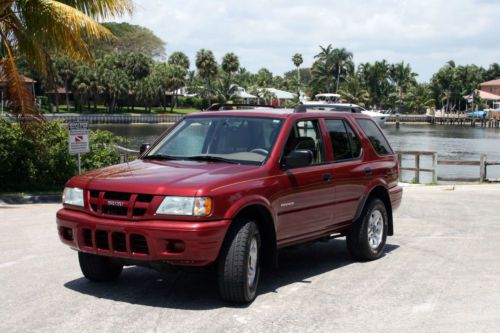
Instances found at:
x=195 y=206
x=73 y=196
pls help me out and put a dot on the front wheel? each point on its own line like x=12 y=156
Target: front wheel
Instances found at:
x=239 y=262
x=98 y=268
x=367 y=236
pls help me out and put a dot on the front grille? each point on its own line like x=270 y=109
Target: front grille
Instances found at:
x=120 y=204
x=138 y=243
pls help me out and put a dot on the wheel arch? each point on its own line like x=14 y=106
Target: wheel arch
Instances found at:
x=381 y=193
x=264 y=219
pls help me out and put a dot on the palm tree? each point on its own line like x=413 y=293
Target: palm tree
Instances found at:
x=297 y=61
x=376 y=78
x=230 y=63
x=353 y=91
x=34 y=28
x=180 y=59
x=343 y=60
x=207 y=68
x=65 y=68
x=420 y=97
x=403 y=78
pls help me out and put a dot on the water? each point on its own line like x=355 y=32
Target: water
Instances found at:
x=451 y=143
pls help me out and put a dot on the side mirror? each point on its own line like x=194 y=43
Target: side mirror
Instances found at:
x=144 y=147
x=297 y=159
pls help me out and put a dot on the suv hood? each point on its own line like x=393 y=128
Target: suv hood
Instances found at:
x=162 y=177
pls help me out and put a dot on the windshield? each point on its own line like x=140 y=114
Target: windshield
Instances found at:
x=246 y=140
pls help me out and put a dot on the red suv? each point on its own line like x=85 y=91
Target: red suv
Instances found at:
x=227 y=189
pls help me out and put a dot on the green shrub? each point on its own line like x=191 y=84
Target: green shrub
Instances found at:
x=42 y=162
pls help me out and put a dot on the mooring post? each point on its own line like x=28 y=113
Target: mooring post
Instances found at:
x=482 y=168
x=397 y=120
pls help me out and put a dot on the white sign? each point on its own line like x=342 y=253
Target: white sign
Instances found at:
x=79 y=141
x=78 y=126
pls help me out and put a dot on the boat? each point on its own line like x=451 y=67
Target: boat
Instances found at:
x=324 y=99
x=333 y=102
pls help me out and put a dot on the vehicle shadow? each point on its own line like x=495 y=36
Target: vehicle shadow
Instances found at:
x=198 y=290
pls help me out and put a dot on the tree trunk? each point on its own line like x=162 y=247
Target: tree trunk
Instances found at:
x=338 y=80
x=172 y=102
x=67 y=94
x=57 y=102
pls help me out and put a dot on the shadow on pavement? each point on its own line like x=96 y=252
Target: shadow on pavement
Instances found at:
x=198 y=290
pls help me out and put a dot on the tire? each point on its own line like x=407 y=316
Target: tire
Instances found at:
x=98 y=268
x=365 y=241
x=238 y=270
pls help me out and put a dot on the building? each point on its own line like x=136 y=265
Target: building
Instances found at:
x=28 y=82
x=492 y=87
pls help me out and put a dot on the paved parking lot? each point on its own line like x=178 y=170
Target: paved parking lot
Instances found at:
x=441 y=274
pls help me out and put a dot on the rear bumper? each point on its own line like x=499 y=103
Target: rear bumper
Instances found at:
x=143 y=240
x=396 y=195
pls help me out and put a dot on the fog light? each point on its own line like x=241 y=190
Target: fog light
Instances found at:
x=175 y=246
x=67 y=233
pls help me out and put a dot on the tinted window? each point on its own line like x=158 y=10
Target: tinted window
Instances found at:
x=345 y=143
x=306 y=135
x=375 y=136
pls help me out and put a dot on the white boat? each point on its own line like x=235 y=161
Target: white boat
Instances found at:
x=333 y=102
x=324 y=99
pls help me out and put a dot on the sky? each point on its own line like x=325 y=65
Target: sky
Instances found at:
x=424 y=33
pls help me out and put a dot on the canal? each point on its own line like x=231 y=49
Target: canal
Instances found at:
x=450 y=142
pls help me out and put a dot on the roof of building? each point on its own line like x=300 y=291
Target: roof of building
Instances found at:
x=281 y=94
x=491 y=83
x=487 y=96
x=25 y=79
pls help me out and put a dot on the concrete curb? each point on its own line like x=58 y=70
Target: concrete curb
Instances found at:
x=29 y=199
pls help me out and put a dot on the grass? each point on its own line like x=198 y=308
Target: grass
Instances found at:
x=101 y=109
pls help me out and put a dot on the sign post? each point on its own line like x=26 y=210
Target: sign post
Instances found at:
x=78 y=141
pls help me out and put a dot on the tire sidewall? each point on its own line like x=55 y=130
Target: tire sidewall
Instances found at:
x=374 y=205
x=252 y=290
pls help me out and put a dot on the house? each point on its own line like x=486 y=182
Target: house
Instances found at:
x=281 y=96
x=492 y=87
x=28 y=82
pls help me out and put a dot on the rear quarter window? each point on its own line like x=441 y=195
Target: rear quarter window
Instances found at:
x=377 y=139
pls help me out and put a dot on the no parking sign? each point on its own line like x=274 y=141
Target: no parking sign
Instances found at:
x=78 y=140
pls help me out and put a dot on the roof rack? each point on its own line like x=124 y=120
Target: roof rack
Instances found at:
x=327 y=107
x=230 y=106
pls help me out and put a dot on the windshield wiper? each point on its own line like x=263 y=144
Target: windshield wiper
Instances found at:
x=160 y=157
x=210 y=158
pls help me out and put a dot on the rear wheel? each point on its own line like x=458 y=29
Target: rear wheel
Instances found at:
x=239 y=262
x=367 y=236
x=98 y=268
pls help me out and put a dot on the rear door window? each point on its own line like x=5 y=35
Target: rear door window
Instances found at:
x=345 y=143
x=375 y=136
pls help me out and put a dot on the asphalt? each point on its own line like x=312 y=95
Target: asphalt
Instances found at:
x=441 y=273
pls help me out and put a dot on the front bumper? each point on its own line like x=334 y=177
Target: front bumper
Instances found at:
x=195 y=243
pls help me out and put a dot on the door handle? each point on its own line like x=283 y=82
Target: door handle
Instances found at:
x=327 y=177
x=368 y=171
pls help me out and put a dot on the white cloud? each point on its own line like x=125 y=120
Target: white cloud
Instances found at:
x=425 y=33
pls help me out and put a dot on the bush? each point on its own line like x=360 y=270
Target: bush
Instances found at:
x=43 y=163
x=192 y=102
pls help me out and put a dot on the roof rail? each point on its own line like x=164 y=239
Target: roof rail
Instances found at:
x=326 y=107
x=221 y=106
